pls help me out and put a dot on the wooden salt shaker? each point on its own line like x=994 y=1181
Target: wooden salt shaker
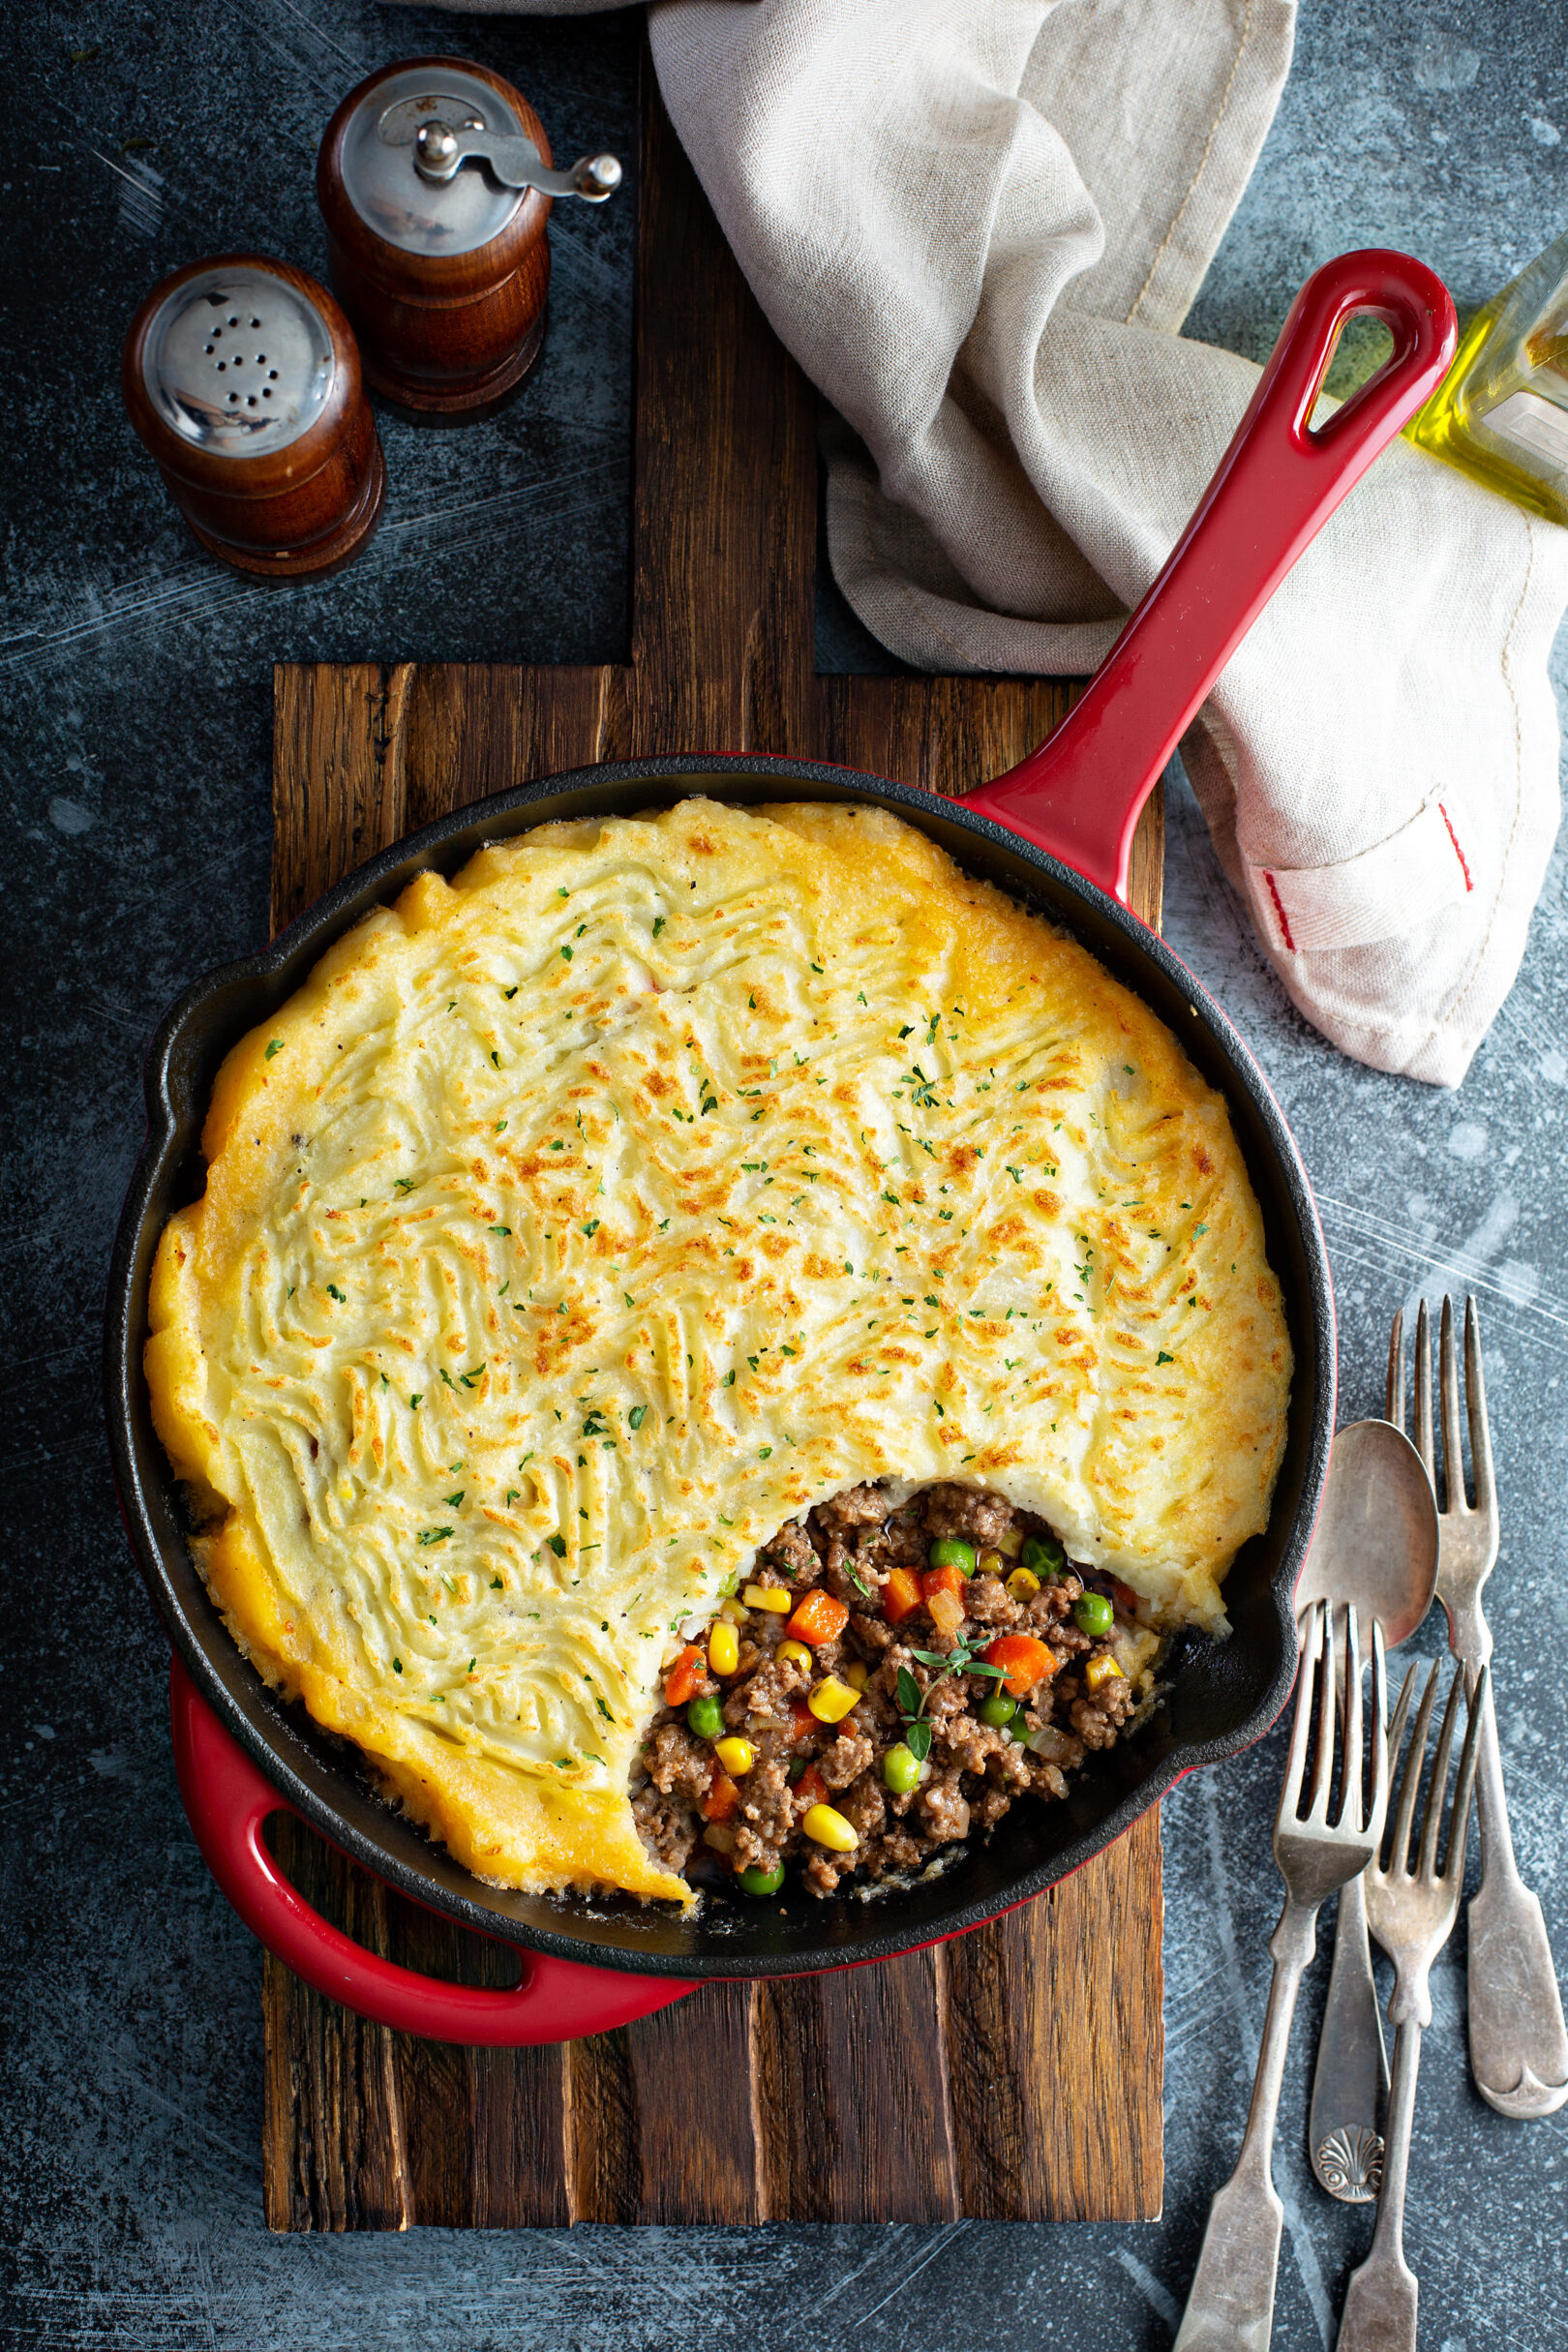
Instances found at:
x=241 y=377
x=434 y=181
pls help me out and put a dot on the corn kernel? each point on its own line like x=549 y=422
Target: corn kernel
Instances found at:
x=989 y=1563
x=732 y=1610
x=723 y=1649
x=832 y=1700
x=736 y=1756
x=858 y=1676
x=827 y=1827
x=1011 y=1544
x=1103 y=1670
x=771 y=1597
x=1023 y=1583
x=797 y=1650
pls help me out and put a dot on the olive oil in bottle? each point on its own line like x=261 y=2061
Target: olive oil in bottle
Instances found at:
x=1500 y=413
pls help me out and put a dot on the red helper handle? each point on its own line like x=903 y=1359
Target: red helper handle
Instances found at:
x=228 y=1801
x=1079 y=794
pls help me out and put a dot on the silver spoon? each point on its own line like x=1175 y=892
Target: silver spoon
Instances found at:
x=1376 y=1543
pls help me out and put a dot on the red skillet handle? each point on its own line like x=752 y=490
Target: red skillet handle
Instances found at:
x=1079 y=794
x=228 y=1801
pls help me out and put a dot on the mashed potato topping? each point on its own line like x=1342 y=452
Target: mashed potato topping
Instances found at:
x=581 y=1220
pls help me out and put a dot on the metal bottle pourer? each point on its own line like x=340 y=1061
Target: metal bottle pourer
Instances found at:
x=440 y=151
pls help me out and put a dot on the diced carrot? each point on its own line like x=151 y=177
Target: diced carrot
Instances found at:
x=941 y=1579
x=947 y=1612
x=818 y=1618
x=900 y=1595
x=1024 y=1662
x=683 y=1676
x=722 y=1796
x=804 y=1720
x=811 y=1789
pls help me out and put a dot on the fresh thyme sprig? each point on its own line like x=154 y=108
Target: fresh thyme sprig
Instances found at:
x=912 y=1700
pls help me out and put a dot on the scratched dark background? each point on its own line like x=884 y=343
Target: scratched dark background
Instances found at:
x=134 y=696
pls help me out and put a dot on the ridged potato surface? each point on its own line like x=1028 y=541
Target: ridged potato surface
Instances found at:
x=581 y=1219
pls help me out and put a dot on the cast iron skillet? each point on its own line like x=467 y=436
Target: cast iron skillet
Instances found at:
x=1055 y=834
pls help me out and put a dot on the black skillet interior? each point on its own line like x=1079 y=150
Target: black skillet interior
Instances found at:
x=1222 y=1695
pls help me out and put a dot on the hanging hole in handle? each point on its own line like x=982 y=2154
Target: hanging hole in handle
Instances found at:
x=1362 y=350
x=369 y=1913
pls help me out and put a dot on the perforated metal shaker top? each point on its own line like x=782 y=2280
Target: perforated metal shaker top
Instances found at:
x=378 y=175
x=238 y=362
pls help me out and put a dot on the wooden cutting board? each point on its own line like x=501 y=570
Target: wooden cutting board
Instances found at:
x=1013 y=2074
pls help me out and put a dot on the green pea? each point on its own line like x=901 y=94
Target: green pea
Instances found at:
x=1043 y=1556
x=754 y=1879
x=997 y=1710
x=951 y=1552
x=1092 y=1614
x=705 y=1717
x=901 y=1770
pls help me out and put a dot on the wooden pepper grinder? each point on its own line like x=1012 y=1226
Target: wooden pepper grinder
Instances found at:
x=241 y=377
x=434 y=180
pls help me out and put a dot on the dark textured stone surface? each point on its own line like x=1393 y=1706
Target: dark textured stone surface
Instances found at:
x=134 y=688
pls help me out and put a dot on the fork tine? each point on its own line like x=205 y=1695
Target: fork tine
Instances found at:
x=1475 y=1397
x=1401 y=1714
x=1437 y=1786
x=1374 y=1822
x=1328 y=1708
x=1394 y=1385
x=1454 y=1498
x=1311 y=1645
x=1480 y=1696
x=1398 y=1859
x=1422 y=1393
x=1352 y=1803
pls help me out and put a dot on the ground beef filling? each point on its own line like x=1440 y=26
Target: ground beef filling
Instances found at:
x=746 y=1771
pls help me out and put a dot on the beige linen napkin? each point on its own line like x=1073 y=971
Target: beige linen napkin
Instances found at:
x=978 y=226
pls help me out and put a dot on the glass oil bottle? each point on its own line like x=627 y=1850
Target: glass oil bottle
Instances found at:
x=1500 y=413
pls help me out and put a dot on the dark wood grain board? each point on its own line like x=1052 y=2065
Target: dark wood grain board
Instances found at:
x=1013 y=2074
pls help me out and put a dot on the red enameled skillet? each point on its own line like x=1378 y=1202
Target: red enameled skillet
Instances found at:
x=1055 y=832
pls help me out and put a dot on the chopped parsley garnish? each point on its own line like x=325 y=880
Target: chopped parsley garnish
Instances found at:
x=637 y=1416
x=1163 y=1358
x=658 y=924
x=333 y=1292
x=434 y=1535
x=454 y=1502
x=275 y=1047
x=558 y=1545
x=404 y=1183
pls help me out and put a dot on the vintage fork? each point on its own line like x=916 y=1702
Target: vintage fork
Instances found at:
x=1232 y=2306
x=1413 y=1913
x=1519 y=2047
